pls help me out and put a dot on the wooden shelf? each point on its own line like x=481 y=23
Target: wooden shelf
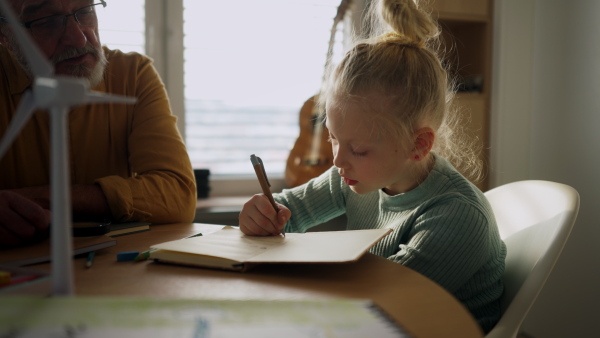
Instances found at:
x=464 y=10
x=466 y=39
x=474 y=110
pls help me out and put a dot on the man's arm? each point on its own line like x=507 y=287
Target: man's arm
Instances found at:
x=89 y=200
x=160 y=187
x=25 y=213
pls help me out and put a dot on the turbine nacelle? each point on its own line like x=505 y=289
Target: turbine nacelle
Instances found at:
x=59 y=90
x=69 y=92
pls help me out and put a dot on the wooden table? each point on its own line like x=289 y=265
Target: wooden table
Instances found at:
x=420 y=306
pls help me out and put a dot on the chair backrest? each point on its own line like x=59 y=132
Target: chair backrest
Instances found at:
x=535 y=219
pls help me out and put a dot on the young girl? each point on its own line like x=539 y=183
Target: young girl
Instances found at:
x=393 y=138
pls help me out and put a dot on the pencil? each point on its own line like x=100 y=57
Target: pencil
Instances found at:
x=146 y=254
x=23 y=279
x=143 y=256
x=90 y=259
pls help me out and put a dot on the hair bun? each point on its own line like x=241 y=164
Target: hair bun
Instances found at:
x=405 y=18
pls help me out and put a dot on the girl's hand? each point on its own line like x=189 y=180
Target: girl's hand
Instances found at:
x=258 y=218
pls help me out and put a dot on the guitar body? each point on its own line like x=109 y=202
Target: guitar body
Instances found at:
x=307 y=159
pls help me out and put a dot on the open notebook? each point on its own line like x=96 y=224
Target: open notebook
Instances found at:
x=230 y=249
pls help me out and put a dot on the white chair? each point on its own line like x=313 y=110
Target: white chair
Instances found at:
x=535 y=219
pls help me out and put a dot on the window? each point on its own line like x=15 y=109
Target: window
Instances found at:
x=248 y=67
x=121 y=25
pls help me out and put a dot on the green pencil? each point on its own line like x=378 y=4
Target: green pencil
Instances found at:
x=146 y=254
x=143 y=256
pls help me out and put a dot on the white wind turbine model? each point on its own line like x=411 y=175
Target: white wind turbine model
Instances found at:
x=57 y=94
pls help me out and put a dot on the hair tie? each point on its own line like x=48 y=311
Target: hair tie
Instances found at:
x=401 y=39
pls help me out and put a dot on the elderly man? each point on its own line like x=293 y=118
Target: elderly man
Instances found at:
x=128 y=162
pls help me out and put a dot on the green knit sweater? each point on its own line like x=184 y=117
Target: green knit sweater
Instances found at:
x=444 y=229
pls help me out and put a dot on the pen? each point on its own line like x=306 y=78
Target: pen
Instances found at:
x=90 y=259
x=259 y=168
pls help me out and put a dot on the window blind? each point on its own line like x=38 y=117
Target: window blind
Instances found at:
x=249 y=67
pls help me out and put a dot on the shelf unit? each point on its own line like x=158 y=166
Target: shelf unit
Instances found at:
x=467 y=40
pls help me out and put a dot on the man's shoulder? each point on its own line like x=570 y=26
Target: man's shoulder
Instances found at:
x=125 y=72
x=118 y=57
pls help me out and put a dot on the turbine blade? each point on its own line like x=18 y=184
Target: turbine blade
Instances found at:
x=38 y=63
x=24 y=111
x=97 y=97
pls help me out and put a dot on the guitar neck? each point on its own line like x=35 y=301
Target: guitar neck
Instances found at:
x=341 y=11
x=315 y=147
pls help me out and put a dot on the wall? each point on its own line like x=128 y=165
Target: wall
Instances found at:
x=557 y=128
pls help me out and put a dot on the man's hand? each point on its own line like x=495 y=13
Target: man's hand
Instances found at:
x=258 y=218
x=88 y=201
x=21 y=219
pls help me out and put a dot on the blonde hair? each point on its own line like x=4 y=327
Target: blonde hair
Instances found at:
x=399 y=62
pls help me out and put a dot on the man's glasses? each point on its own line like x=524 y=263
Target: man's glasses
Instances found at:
x=51 y=27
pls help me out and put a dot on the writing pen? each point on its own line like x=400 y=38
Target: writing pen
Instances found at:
x=259 y=168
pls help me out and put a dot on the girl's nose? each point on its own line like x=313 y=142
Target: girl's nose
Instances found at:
x=339 y=160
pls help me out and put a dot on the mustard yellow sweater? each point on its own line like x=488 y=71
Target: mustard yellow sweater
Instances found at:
x=134 y=152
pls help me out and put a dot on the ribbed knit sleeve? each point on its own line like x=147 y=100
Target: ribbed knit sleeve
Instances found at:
x=316 y=202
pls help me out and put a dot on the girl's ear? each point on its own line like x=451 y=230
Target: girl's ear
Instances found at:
x=423 y=142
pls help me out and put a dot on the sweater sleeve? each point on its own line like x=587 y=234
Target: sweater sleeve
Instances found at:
x=315 y=202
x=448 y=243
x=161 y=186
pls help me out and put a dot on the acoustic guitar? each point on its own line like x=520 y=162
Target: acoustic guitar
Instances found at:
x=312 y=154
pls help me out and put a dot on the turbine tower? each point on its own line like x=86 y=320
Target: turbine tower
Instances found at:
x=56 y=94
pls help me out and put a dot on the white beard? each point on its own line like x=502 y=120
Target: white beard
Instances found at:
x=93 y=76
